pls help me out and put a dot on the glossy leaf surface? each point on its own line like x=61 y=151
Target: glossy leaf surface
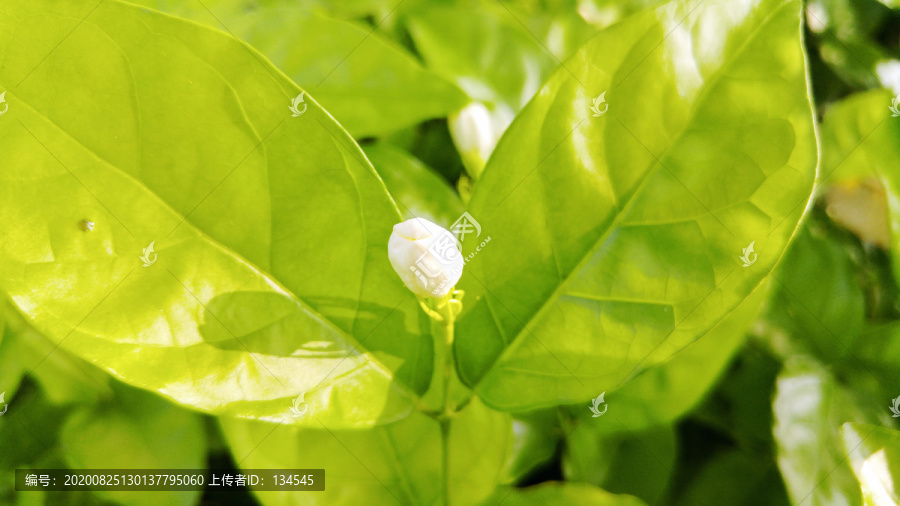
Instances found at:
x=617 y=238
x=269 y=275
x=667 y=392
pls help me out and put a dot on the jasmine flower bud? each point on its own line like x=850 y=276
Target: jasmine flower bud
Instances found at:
x=426 y=256
x=476 y=130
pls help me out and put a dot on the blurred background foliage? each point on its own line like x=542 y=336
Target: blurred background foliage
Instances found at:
x=764 y=410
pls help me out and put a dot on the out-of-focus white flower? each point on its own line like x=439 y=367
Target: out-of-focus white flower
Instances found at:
x=426 y=256
x=476 y=130
x=817 y=17
x=888 y=72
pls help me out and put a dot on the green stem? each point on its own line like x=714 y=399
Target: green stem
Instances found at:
x=442 y=330
x=448 y=361
x=448 y=411
x=445 y=458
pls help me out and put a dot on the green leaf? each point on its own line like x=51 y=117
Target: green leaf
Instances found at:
x=129 y=434
x=499 y=54
x=817 y=297
x=271 y=276
x=563 y=493
x=536 y=437
x=68 y=414
x=370 y=84
x=394 y=463
x=635 y=463
x=417 y=189
x=875 y=456
x=855 y=134
x=810 y=407
x=856 y=61
x=845 y=33
x=603 y=13
x=875 y=358
x=29 y=432
x=740 y=407
x=616 y=239
x=861 y=139
x=65 y=379
x=350 y=9
x=736 y=478
x=487 y=51
x=13 y=369
x=663 y=394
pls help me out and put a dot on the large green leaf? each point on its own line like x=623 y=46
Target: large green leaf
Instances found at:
x=371 y=85
x=875 y=456
x=272 y=278
x=616 y=239
x=398 y=463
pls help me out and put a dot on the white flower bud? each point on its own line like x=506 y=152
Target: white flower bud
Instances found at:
x=476 y=130
x=426 y=256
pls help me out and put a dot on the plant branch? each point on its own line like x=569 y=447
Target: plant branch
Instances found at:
x=443 y=314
